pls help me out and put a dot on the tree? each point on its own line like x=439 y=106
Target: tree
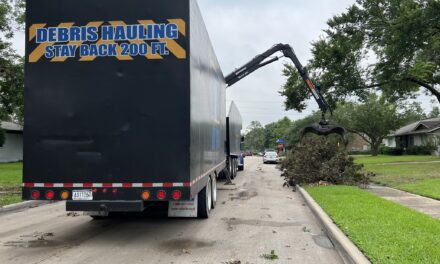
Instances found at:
x=435 y=112
x=11 y=65
x=254 y=138
x=275 y=131
x=389 y=45
x=298 y=125
x=373 y=120
x=412 y=112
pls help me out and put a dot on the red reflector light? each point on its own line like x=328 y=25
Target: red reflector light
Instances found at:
x=161 y=194
x=35 y=195
x=177 y=195
x=50 y=195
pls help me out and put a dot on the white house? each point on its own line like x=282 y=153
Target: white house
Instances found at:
x=12 y=149
x=416 y=134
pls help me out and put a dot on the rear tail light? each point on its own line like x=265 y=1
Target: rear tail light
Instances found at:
x=95 y=190
x=50 y=195
x=104 y=190
x=161 y=194
x=114 y=190
x=64 y=195
x=35 y=195
x=145 y=195
x=177 y=195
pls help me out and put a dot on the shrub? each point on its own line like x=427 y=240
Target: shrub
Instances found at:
x=360 y=152
x=384 y=150
x=420 y=150
x=316 y=159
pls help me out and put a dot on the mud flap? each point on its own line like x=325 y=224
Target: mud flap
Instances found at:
x=183 y=208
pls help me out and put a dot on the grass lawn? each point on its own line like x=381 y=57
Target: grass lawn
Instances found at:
x=364 y=159
x=10 y=181
x=419 y=178
x=385 y=232
x=6 y=199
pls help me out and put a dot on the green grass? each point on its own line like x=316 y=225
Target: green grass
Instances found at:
x=10 y=174
x=421 y=178
x=384 y=231
x=428 y=188
x=387 y=159
x=6 y=199
x=10 y=182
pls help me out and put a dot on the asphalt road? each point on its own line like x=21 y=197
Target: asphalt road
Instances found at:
x=253 y=217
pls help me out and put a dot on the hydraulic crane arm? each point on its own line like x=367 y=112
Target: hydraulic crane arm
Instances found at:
x=324 y=128
x=262 y=60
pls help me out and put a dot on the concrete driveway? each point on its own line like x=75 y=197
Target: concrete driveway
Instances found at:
x=253 y=217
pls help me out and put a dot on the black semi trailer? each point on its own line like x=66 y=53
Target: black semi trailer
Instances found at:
x=124 y=105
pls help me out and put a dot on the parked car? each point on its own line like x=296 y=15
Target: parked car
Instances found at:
x=270 y=157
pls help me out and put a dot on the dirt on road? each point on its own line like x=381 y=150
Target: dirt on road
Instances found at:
x=255 y=220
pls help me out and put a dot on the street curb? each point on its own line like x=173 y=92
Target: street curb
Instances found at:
x=22 y=205
x=348 y=251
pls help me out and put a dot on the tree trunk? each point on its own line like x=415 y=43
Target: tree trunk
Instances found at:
x=375 y=149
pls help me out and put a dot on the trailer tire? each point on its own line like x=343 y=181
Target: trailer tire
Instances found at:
x=204 y=201
x=231 y=168
x=213 y=192
x=234 y=166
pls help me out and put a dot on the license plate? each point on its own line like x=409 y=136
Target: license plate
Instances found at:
x=82 y=195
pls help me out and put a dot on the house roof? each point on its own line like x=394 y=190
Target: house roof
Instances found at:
x=10 y=126
x=419 y=127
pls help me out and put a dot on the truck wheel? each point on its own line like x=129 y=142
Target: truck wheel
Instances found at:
x=214 y=192
x=232 y=168
x=204 y=201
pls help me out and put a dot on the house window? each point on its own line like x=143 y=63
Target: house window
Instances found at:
x=424 y=139
x=390 y=142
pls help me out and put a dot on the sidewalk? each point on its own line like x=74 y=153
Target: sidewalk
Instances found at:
x=419 y=203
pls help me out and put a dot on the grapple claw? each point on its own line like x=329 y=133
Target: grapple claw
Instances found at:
x=325 y=131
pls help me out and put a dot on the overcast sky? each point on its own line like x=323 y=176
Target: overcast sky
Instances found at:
x=241 y=29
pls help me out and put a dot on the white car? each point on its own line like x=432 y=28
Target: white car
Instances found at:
x=270 y=157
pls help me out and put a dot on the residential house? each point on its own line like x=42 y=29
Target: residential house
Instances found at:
x=357 y=143
x=12 y=149
x=419 y=133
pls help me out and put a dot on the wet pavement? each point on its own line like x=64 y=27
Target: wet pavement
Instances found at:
x=252 y=218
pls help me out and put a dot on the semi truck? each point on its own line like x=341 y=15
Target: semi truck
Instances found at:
x=235 y=161
x=125 y=106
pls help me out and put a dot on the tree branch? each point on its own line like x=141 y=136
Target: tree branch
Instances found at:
x=429 y=87
x=360 y=134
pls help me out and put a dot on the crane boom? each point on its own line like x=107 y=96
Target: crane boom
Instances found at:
x=264 y=59
x=324 y=128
